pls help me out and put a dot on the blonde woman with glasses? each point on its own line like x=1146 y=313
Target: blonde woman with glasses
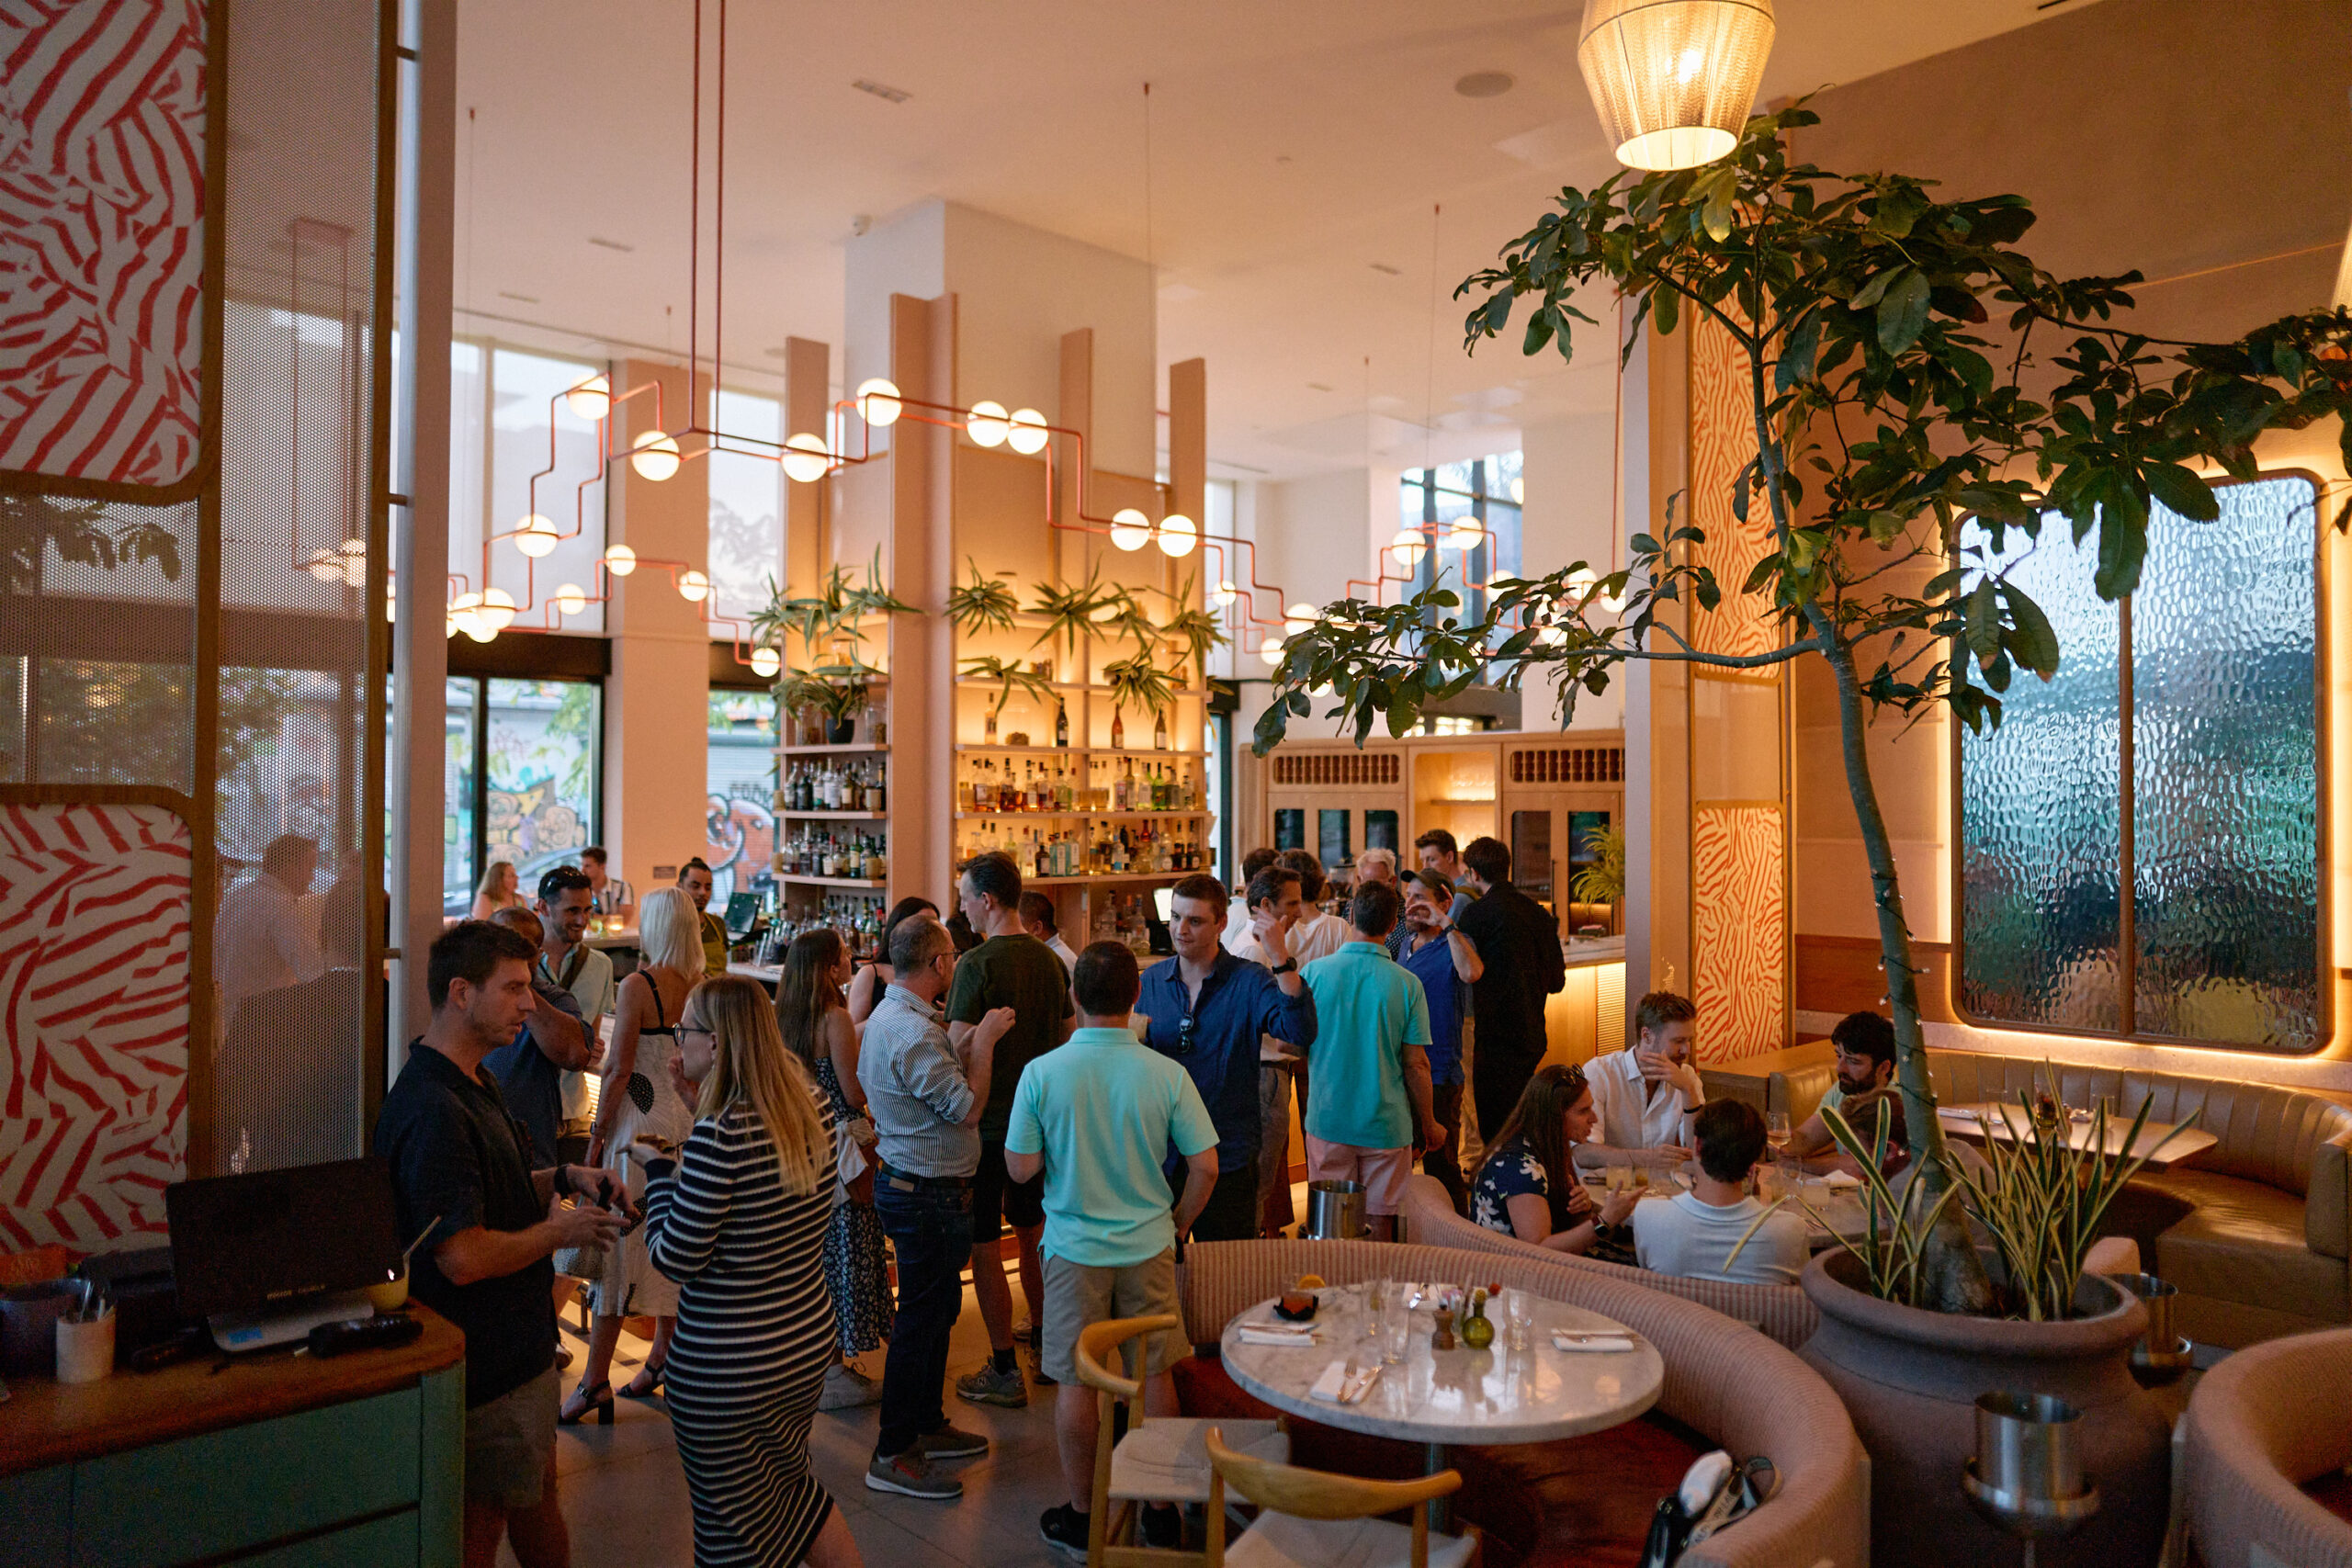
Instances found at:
x=741 y=1226
x=639 y=1113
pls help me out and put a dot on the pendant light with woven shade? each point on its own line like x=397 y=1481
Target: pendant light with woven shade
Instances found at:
x=1673 y=80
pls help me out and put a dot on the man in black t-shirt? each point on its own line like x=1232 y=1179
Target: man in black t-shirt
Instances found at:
x=1012 y=969
x=461 y=1165
x=1518 y=944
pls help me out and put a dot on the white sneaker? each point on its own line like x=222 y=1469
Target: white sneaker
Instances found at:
x=846 y=1388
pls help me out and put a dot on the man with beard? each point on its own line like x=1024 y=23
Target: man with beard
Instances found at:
x=1865 y=1045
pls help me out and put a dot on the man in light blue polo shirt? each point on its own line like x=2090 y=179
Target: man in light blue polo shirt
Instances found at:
x=1370 y=1087
x=1095 y=1117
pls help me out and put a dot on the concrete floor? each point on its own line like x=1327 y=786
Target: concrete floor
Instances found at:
x=626 y=1496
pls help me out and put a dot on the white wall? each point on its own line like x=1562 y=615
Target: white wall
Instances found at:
x=906 y=255
x=1568 y=465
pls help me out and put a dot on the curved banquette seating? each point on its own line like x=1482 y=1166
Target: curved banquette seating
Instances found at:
x=2255 y=1231
x=1723 y=1381
x=2265 y=1444
x=1783 y=1312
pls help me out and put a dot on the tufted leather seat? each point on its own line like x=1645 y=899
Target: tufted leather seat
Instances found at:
x=2263 y=1252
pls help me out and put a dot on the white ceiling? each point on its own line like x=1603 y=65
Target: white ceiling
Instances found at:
x=1299 y=149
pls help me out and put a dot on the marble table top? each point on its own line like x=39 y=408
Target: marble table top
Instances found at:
x=2161 y=1144
x=1495 y=1395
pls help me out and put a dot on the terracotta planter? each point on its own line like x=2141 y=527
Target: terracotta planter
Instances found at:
x=1910 y=1380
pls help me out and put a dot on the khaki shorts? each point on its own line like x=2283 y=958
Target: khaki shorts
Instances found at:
x=1381 y=1171
x=510 y=1445
x=1077 y=1297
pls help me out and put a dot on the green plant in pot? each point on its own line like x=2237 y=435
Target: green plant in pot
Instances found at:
x=1601 y=880
x=1923 y=398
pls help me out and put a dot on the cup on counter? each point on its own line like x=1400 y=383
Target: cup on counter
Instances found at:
x=86 y=1346
x=390 y=1295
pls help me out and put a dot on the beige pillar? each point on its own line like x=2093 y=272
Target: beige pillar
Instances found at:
x=657 y=704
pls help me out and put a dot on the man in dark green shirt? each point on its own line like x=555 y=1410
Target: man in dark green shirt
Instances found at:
x=1010 y=968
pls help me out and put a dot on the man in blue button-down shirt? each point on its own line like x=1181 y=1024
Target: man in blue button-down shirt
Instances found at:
x=1208 y=1009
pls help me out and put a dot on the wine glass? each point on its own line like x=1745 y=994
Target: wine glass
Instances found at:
x=1777 y=1132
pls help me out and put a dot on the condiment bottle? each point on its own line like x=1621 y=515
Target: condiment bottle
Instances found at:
x=1477 y=1331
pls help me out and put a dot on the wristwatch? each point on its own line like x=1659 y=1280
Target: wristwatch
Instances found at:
x=563 y=1182
x=1286 y=966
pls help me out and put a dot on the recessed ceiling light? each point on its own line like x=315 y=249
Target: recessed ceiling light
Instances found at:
x=524 y=299
x=1484 y=84
x=1318 y=387
x=899 y=95
x=609 y=245
x=1384 y=267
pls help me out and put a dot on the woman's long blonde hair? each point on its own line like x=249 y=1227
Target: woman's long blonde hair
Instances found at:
x=750 y=1066
x=491 y=885
x=669 y=933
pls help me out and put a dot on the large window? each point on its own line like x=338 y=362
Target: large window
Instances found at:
x=508 y=425
x=746 y=508
x=739 y=826
x=1476 y=503
x=2139 y=837
x=523 y=779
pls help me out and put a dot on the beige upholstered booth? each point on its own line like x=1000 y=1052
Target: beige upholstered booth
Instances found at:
x=2254 y=1231
x=1734 y=1387
x=1783 y=1312
x=2262 y=1426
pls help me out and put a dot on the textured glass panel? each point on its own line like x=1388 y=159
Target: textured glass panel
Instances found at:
x=2224 y=766
x=2041 y=819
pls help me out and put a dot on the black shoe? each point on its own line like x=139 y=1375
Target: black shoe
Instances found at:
x=1064 y=1529
x=1163 y=1527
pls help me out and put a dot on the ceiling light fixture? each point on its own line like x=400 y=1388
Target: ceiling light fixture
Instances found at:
x=1409 y=547
x=570 y=598
x=620 y=560
x=1177 y=535
x=1271 y=650
x=692 y=586
x=988 y=423
x=1026 y=435
x=765 y=662
x=805 y=458
x=497 y=610
x=535 y=536
x=1673 y=80
x=1130 y=529
x=591 y=400
x=1518 y=490
x=325 y=565
x=1226 y=593
x=877 y=401
x=1485 y=84
x=654 y=455
x=1299 y=617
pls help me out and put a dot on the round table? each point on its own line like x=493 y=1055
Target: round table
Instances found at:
x=1440 y=1397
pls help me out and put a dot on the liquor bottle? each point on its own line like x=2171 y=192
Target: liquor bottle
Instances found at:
x=1159 y=730
x=988 y=728
x=1061 y=722
x=1118 y=731
x=876 y=795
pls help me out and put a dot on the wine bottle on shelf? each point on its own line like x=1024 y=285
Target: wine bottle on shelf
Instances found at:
x=988 y=728
x=1118 y=731
x=1061 y=722
x=1159 y=730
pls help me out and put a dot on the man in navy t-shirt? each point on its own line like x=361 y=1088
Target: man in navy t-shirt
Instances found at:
x=1437 y=953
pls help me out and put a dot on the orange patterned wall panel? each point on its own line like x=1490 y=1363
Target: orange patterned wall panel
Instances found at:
x=1739 y=954
x=1723 y=442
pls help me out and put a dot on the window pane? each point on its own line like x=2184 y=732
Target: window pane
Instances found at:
x=2224 y=766
x=469 y=461
x=526 y=385
x=458 y=873
x=746 y=510
x=542 y=739
x=738 y=827
x=2041 y=805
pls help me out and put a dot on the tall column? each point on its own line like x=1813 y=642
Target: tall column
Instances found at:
x=657 y=703
x=808 y=399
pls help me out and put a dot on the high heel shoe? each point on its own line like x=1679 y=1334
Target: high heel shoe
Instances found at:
x=598 y=1399
x=648 y=1382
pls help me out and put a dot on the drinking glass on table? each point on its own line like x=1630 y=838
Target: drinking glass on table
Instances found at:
x=1617 y=1170
x=1520 y=1311
x=1396 y=1327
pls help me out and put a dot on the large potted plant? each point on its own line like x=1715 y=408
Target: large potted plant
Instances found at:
x=1890 y=429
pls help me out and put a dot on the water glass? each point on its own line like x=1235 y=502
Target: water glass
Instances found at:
x=1520 y=1310
x=1396 y=1329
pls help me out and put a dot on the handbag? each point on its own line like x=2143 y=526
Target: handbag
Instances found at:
x=853 y=1173
x=1714 y=1492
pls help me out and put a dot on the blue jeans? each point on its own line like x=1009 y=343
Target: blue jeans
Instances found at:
x=931 y=1228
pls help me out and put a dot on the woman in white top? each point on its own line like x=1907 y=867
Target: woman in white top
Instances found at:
x=1644 y=1094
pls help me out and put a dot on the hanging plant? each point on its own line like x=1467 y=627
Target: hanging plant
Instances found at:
x=1072 y=614
x=873 y=598
x=1009 y=675
x=832 y=614
x=1197 y=628
x=985 y=603
x=1139 y=682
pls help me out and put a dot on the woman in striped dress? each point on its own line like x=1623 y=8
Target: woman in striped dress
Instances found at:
x=741 y=1226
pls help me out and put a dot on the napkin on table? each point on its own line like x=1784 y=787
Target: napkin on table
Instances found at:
x=1276 y=1334
x=1841 y=1179
x=1615 y=1344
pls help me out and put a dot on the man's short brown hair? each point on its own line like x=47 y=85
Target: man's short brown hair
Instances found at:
x=1205 y=888
x=1659 y=1009
x=1439 y=840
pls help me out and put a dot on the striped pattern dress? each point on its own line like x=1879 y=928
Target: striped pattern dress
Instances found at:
x=756 y=1332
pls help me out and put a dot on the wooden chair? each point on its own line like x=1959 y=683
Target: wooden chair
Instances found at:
x=1310 y=1517
x=1162 y=1459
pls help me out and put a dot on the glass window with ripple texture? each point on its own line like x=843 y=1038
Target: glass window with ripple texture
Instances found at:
x=2215 y=674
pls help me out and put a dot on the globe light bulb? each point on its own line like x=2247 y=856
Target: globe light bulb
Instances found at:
x=391 y=601
x=805 y=458
x=988 y=423
x=1178 y=534
x=620 y=560
x=877 y=401
x=1271 y=650
x=480 y=630
x=693 y=587
x=591 y=400
x=465 y=615
x=654 y=456
x=1409 y=547
x=765 y=662
x=569 y=600
x=1226 y=593
x=535 y=536
x=1465 y=535
x=325 y=565
x=1130 y=529
x=1299 y=616
x=497 y=609
x=1026 y=435
x=1518 y=490
x=354 y=563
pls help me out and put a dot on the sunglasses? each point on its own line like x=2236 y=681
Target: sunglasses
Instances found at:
x=1184 y=1036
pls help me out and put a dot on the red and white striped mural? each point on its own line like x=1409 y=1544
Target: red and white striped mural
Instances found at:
x=94 y=1021
x=102 y=197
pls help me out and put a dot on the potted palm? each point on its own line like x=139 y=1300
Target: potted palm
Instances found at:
x=1890 y=427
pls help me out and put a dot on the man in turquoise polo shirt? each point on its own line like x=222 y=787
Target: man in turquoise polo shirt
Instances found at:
x=1095 y=1118
x=1369 y=1088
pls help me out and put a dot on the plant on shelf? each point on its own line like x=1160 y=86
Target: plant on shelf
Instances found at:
x=1194 y=626
x=1601 y=880
x=1903 y=449
x=837 y=691
x=1135 y=682
x=1073 y=614
x=985 y=603
x=832 y=617
x=1010 y=675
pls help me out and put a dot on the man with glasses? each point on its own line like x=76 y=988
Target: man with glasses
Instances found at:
x=926 y=1097
x=1209 y=1010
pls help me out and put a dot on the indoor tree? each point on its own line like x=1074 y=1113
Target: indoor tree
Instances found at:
x=1899 y=430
